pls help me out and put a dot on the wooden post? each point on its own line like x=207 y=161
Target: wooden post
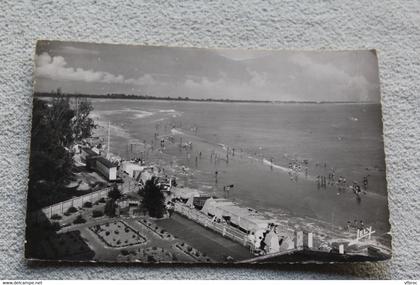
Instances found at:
x=341 y=249
x=299 y=239
x=310 y=240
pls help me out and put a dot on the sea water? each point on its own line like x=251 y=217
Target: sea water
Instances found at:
x=342 y=138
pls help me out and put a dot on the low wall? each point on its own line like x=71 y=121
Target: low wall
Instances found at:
x=61 y=207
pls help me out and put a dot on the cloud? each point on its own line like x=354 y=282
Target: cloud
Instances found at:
x=334 y=78
x=146 y=79
x=254 y=87
x=55 y=68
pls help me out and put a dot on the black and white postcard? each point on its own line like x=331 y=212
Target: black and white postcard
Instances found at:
x=186 y=155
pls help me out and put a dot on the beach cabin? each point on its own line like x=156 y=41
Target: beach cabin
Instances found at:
x=245 y=219
x=131 y=168
x=106 y=168
x=191 y=197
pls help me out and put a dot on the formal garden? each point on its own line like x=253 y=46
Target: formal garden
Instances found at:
x=117 y=234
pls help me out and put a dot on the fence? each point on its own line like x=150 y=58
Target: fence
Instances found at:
x=61 y=207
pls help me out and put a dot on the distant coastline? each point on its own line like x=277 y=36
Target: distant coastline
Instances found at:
x=148 y=97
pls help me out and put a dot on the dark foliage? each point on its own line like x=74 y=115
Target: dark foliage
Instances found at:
x=55 y=128
x=56 y=217
x=97 y=214
x=153 y=200
x=110 y=208
x=114 y=194
x=55 y=226
x=79 y=220
x=72 y=210
x=87 y=205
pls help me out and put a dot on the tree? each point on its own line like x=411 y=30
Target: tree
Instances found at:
x=54 y=127
x=114 y=194
x=153 y=199
x=83 y=125
x=110 y=208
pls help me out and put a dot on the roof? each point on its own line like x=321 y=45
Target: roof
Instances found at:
x=185 y=193
x=105 y=162
x=89 y=151
x=246 y=218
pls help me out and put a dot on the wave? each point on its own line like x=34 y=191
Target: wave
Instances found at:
x=167 y=111
x=177 y=132
x=142 y=114
x=269 y=163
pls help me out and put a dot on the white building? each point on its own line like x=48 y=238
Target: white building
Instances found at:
x=246 y=219
x=131 y=168
x=106 y=168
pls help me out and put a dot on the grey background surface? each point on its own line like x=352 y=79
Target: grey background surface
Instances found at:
x=391 y=27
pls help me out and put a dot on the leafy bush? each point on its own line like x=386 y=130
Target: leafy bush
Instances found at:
x=55 y=226
x=97 y=213
x=56 y=217
x=79 y=220
x=72 y=210
x=87 y=205
x=107 y=233
x=124 y=252
x=102 y=200
x=150 y=259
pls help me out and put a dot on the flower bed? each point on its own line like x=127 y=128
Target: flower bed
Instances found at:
x=117 y=234
x=162 y=233
x=194 y=253
x=148 y=255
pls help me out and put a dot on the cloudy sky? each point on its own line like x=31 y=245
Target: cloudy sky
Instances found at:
x=207 y=73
